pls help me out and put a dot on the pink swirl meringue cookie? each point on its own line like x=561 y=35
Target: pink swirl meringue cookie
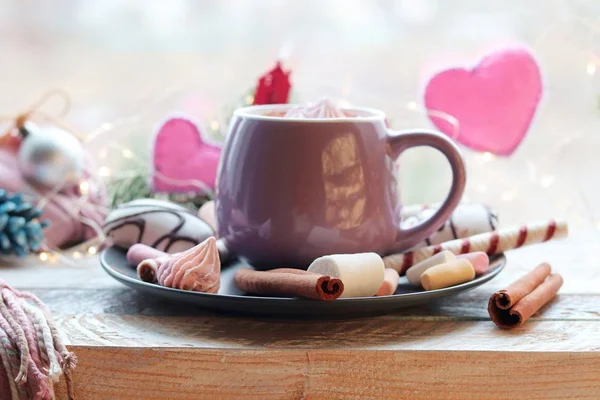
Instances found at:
x=322 y=109
x=197 y=269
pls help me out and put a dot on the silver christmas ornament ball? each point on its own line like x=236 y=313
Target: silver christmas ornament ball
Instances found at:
x=50 y=156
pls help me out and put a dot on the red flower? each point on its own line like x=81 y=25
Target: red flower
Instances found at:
x=273 y=87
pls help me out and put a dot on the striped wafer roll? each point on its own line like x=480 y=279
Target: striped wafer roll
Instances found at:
x=467 y=219
x=492 y=243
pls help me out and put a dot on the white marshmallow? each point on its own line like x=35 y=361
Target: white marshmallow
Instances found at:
x=362 y=274
x=413 y=274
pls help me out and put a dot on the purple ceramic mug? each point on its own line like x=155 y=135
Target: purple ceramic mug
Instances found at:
x=290 y=190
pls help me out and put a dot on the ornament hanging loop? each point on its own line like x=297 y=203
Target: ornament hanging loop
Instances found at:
x=35 y=111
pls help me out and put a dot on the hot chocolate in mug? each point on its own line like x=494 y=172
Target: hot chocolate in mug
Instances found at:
x=290 y=190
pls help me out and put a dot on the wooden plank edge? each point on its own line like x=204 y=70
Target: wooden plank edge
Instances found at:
x=381 y=334
x=106 y=373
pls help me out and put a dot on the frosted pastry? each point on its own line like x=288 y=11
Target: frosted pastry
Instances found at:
x=413 y=274
x=448 y=274
x=322 y=109
x=479 y=260
x=362 y=274
x=163 y=225
x=197 y=269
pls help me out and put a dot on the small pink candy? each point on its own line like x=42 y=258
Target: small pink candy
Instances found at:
x=140 y=252
x=479 y=260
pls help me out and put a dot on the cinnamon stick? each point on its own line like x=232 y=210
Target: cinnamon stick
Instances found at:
x=289 y=282
x=508 y=297
x=514 y=305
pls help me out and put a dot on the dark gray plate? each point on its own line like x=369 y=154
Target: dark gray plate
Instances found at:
x=230 y=299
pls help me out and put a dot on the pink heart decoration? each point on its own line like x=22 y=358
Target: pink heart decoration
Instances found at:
x=183 y=161
x=494 y=102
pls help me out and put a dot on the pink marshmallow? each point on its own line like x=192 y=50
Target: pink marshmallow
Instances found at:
x=479 y=260
x=140 y=252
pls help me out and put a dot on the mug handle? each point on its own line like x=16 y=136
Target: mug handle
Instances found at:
x=399 y=141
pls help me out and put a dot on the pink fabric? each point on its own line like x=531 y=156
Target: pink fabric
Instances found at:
x=182 y=159
x=494 y=102
x=65 y=209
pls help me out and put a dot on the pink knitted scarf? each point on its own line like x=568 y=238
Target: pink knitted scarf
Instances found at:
x=32 y=354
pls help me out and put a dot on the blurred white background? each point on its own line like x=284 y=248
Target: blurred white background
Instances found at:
x=128 y=64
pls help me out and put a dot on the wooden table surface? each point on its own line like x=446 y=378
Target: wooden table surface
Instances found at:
x=129 y=65
x=132 y=346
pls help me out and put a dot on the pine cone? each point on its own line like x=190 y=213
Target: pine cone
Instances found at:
x=21 y=231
